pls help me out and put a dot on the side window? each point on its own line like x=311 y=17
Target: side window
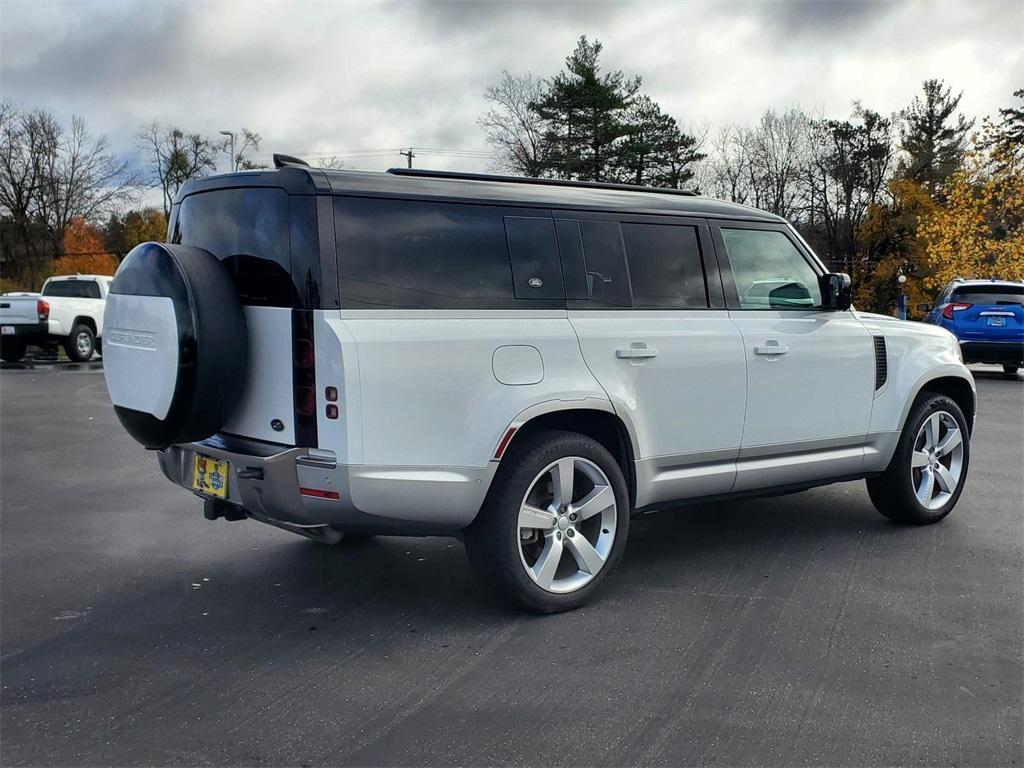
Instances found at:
x=769 y=271
x=422 y=255
x=594 y=263
x=536 y=272
x=665 y=266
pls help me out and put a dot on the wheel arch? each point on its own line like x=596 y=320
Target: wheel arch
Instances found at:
x=592 y=417
x=958 y=388
x=84 y=320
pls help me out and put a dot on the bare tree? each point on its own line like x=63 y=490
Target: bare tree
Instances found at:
x=779 y=149
x=851 y=163
x=728 y=174
x=250 y=142
x=50 y=175
x=82 y=179
x=513 y=128
x=175 y=157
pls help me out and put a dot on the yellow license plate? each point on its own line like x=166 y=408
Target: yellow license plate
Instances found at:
x=210 y=476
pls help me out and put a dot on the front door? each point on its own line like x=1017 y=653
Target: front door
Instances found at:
x=810 y=372
x=661 y=344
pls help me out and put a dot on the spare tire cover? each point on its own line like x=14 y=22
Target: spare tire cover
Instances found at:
x=174 y=344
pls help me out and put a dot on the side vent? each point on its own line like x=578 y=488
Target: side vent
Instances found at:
x=881 y=363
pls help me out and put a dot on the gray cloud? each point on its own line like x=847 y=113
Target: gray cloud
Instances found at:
x=332 y=78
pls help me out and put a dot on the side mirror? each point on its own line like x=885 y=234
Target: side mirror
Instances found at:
x=836 y=291
x=924 y=307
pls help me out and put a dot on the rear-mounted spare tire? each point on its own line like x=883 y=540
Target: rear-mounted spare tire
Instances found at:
x=174 y=344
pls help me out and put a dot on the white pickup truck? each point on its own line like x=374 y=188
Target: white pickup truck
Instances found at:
x=69 y=312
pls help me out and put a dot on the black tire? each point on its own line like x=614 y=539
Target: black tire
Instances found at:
x=493 y=540
x=12 y=351
x=80 y=344
x=893 y=492
x=1011 y=370
x=196 y=356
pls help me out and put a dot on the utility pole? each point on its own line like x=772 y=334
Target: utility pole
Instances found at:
x=231 y=136
x=408 y=156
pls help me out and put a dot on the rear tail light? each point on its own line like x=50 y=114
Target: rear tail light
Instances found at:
x=303 y=353
x=42 y=309
x=949 y=309
x=319 y=493
x=305 y=401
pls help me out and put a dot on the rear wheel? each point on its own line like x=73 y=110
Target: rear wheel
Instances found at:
x=554 y=524
x=12 y=351
x=80 y=344
x=926 y=475
x=1011 y=370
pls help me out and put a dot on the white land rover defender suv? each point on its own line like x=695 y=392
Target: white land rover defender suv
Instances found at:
x=519 y=362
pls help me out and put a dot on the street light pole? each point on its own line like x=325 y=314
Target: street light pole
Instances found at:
x=231 y=136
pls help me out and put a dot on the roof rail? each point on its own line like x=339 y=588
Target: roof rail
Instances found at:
x=529 y=180
x=283 y=161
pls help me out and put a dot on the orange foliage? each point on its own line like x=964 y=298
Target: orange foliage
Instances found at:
x=84 y=252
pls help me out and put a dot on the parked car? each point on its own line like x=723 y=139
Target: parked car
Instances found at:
x=987 y=318
x=68 y=312
x=519 y=362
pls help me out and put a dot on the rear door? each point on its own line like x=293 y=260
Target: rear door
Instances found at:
x=266 y=240
x=655 y=333
x=810 y=373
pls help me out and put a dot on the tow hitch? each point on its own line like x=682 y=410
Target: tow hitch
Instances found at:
x=215 y=508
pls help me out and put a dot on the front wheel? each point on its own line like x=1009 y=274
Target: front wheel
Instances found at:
x=554 y=524
x=927 y=472
x=80 y=344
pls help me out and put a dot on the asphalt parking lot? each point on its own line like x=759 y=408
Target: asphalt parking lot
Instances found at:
x=797 y=630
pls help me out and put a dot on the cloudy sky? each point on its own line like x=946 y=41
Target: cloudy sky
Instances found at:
x=358 y=80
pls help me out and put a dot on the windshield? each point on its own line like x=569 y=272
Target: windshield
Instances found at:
x=76 y=289
x=989 y=294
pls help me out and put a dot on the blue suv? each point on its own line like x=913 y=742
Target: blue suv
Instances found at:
x=986 y=316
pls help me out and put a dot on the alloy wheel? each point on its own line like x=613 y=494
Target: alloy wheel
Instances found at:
x=936 y=465
x=567 y=524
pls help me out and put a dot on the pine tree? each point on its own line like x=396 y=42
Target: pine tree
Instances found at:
x=584 y=113
x=655 y=151
x=932 y=137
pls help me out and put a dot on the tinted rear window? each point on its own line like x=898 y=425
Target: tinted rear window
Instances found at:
x=78 y=289
x=422 y=255
x=665 y=267
x=247 y=229
x=989 y=294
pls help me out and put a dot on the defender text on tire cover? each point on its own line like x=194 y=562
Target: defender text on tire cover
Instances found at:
x=175 y=346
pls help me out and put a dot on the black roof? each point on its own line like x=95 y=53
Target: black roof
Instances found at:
x=479 y=188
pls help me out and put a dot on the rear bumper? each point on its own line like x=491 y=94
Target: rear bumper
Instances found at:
x=1001 y=352
x=396 y=500
x=28 y=333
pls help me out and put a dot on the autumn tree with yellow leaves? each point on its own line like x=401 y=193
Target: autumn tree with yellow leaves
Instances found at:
x=979 y=232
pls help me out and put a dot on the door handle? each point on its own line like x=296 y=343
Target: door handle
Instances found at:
x=635 y=352
x=771 y=348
